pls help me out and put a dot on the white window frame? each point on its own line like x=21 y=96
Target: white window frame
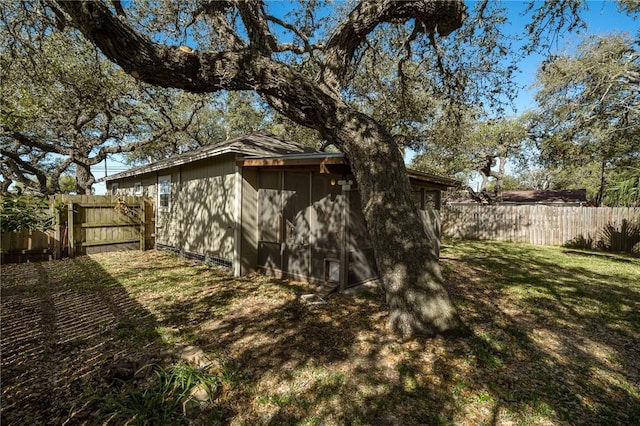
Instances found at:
x=164 y=188
x=114 y=188
x=137 y=188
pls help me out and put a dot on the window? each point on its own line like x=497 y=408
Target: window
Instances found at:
x=137 y=188
x=114 y=189
x=164 y=191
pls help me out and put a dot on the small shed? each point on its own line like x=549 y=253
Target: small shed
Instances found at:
x=262 y=203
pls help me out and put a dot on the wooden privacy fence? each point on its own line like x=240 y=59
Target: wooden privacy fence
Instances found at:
x=541 y=225
x=26 y=245
x=85 y=224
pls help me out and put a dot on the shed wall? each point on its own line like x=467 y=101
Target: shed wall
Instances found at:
x=287 y=221
x=167 y=219
x=200 y=217
x=306 y=223
x=249 y=221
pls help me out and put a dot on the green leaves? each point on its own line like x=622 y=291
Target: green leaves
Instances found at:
x=625 y=190
x=588 y=114
x=162 y=400
x=24 y=211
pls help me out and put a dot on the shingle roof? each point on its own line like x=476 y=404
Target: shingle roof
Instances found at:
x=549 y=196
x=257 y=143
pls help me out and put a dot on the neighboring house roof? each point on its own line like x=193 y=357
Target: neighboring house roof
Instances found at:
x=552 y=197
x=261 y=150
x=548 y=196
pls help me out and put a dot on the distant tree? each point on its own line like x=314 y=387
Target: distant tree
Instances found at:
x=508 y=183
x=589 y=110
x=484 y=147
x=447 y=148
x=623 y=189
x=431 y=102
x=535 y=178
x=496 y=142
x=67 y=184
x=65 y=108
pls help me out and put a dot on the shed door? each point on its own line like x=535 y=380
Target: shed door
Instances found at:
x=283 y=206
x=269 y=220
x=295 y=211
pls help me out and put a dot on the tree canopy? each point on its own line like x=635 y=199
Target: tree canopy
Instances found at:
x=588 y=116
x=65 y=107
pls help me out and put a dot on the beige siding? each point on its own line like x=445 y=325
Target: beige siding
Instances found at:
x=167 y=219
x=204 y=208
x=126 y=186
x=200 y=217
x=249 y=222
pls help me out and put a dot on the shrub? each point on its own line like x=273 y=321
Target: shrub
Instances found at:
x=24 y=211
x=622 y=238
x=580 y=243
x=161 y=400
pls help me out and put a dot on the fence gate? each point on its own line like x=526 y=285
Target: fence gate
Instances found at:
x=88 y=224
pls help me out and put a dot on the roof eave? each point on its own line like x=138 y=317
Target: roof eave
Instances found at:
x=169 y=163
x=433 y=179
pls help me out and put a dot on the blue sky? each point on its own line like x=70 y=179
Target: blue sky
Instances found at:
x=601 y=17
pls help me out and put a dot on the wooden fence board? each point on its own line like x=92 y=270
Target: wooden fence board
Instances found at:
x=85 y=224
x=535 y=224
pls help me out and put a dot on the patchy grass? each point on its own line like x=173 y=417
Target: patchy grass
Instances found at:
x=555 y=341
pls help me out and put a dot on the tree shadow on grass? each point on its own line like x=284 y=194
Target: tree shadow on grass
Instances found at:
x=563 y=351
x=556 y=338
x=65 y=326
x=325 y=364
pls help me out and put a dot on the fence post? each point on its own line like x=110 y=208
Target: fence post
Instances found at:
x=143 y=220
x=70 y=230
x=56 y=227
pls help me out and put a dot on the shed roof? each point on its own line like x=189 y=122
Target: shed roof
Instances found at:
x=256 y=143
x=262 y=150
x=327 y=159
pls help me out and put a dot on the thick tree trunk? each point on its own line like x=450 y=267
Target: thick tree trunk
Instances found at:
x=84 y=179
x=414 y=287
x=419 y=303
x=600 y=195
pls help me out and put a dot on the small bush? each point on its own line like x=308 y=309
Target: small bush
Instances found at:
x=24 y=211
x=580 y=243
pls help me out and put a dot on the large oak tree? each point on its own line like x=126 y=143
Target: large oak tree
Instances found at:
x=303 y=70
x=65 y=107
x=587 y=124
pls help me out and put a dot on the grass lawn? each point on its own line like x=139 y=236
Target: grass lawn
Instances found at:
x=556 y=340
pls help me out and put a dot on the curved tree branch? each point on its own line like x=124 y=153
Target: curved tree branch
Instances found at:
x=290 y=47
x=255 y=21
x=440 y=17
x=23 y=165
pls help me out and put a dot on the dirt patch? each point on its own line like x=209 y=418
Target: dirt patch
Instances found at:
x=63 y=332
